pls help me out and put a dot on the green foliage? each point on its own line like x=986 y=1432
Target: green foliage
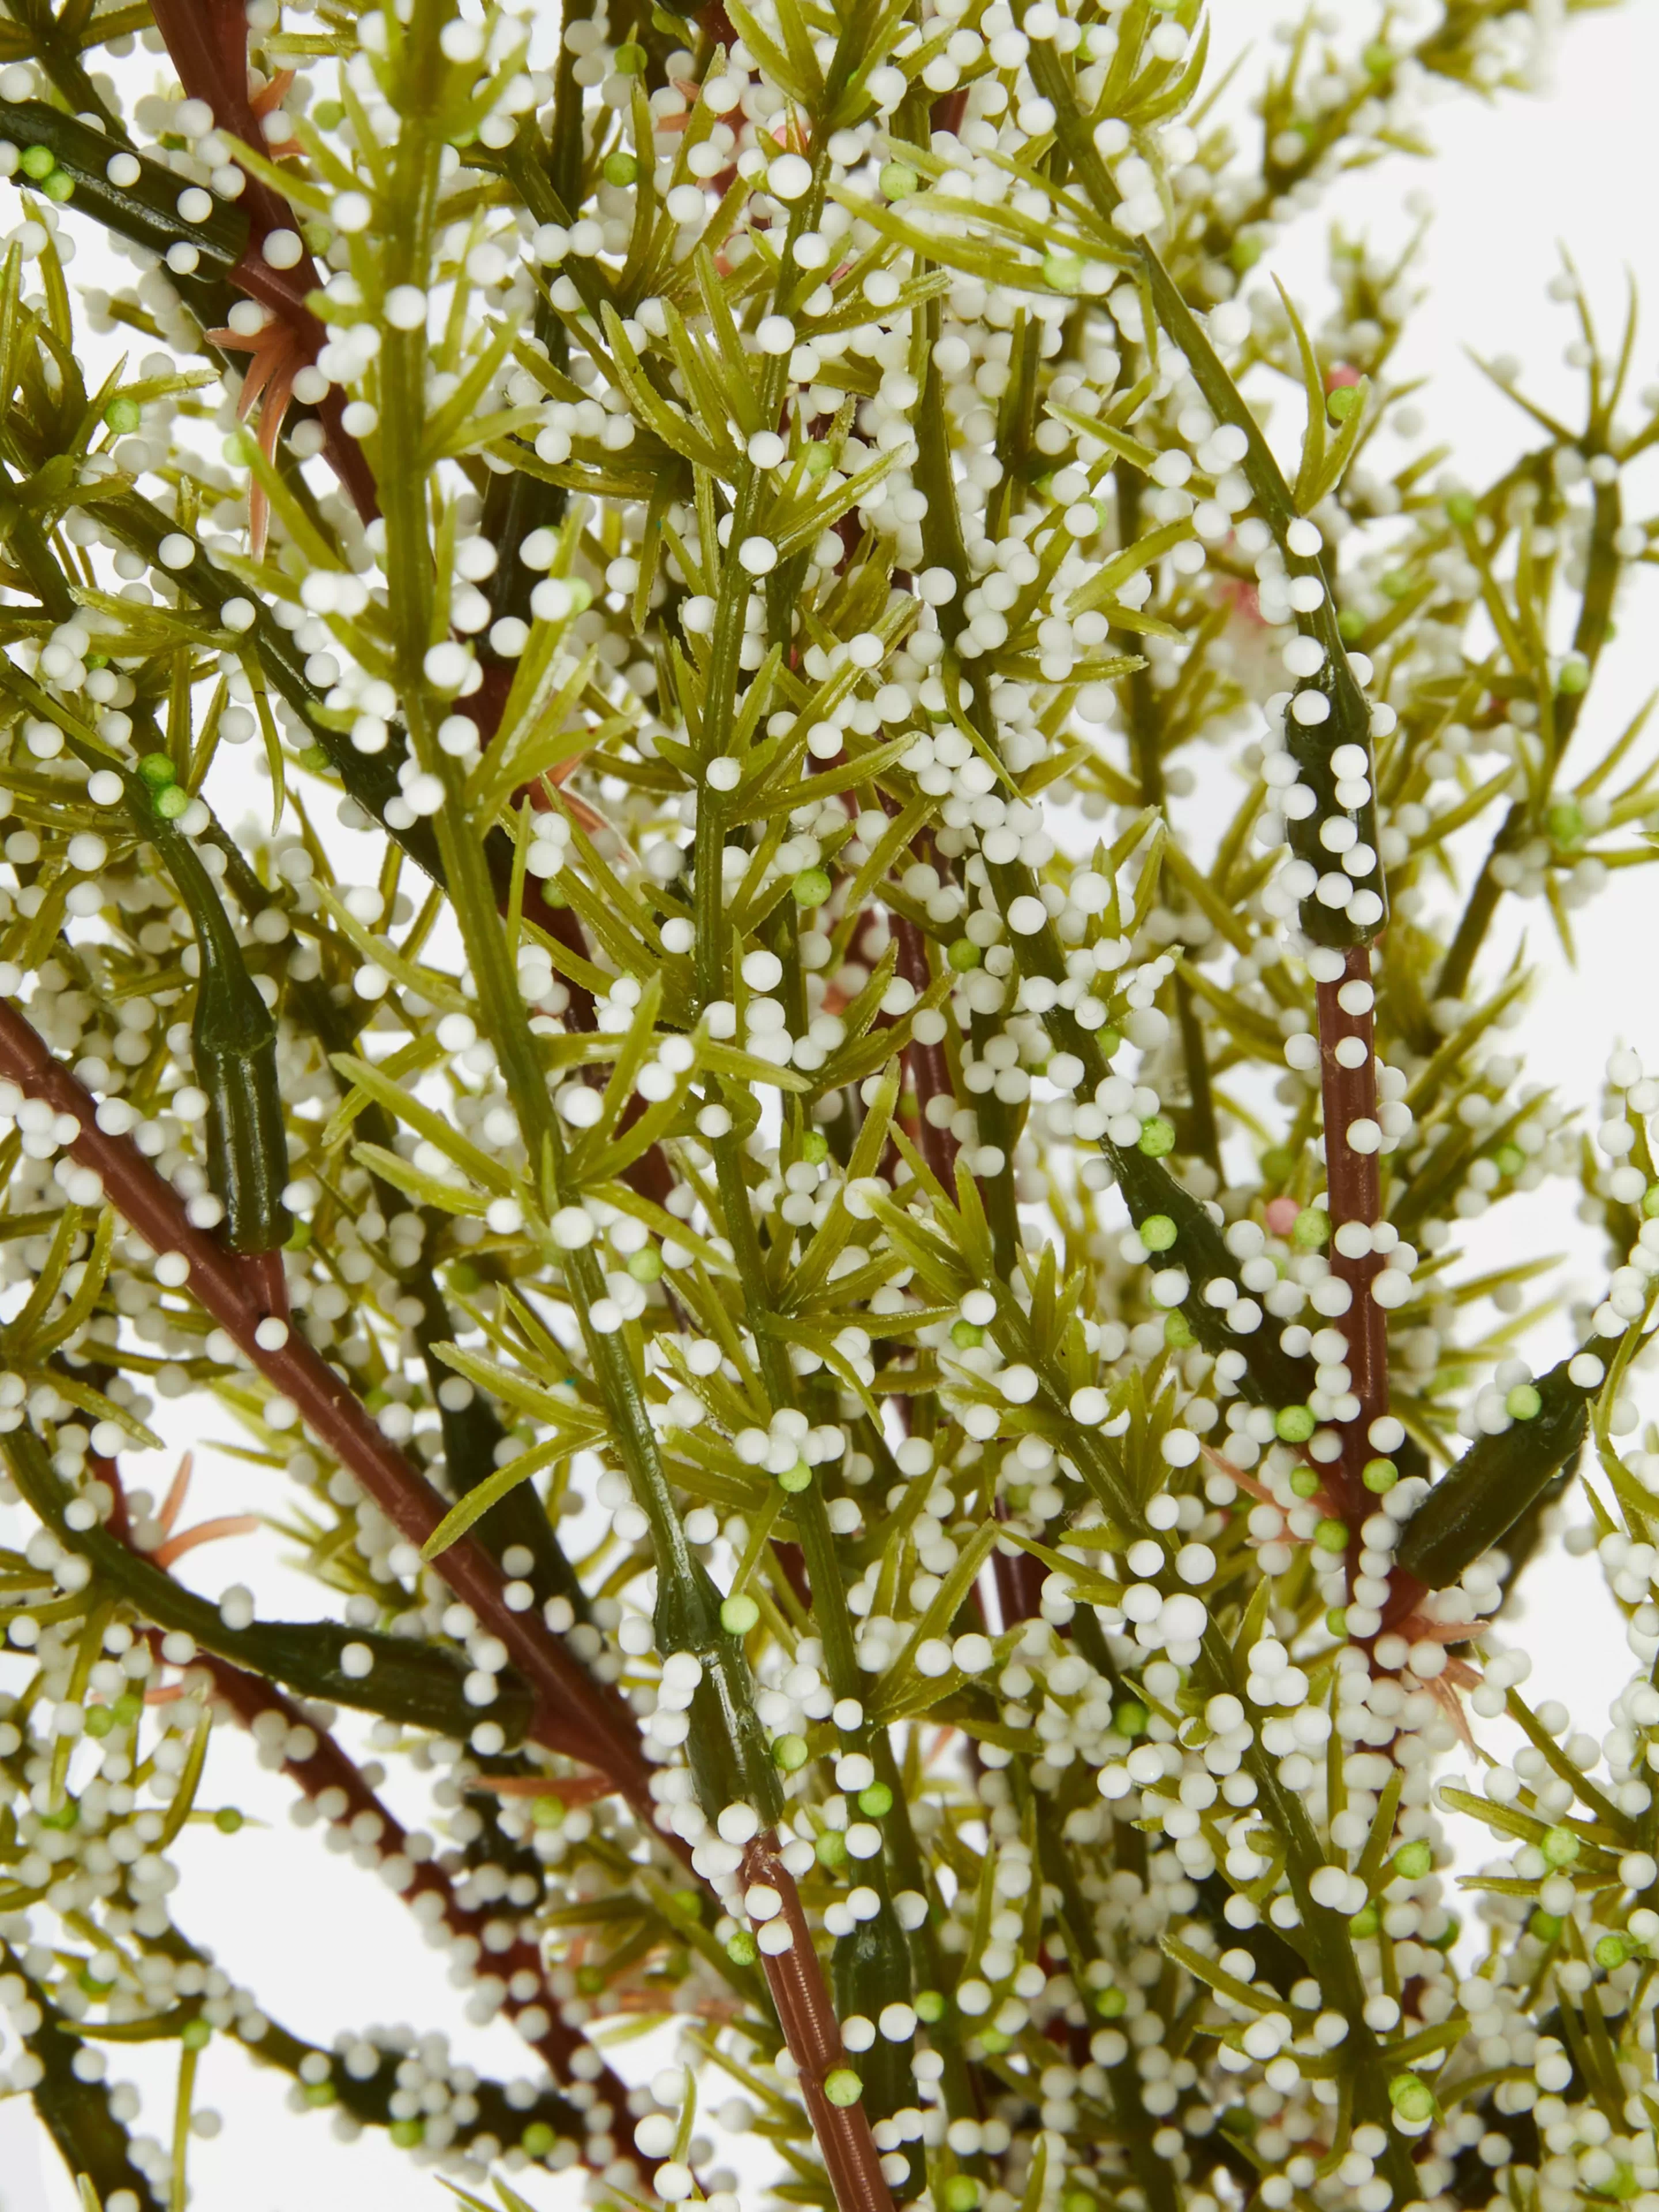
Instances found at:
x=816 y=1107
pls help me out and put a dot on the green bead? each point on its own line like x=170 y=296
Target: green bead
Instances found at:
x=1397 y=585
x=1411 y=2097
x=1336 y=1621
x=815 y=1148
x=408 y=2135
x=620 y=169
x=59 y=186
x=1245 y=253
x=1414 y=1860
x=929 y=2007
x=960 y=2193
x=1380 y=1475
x=157 y=771
x=173 y=802
x=1310 y=1230
x=127 y=1708
x=831 y=1847
x=963 y=955
x=1508 y=1159
x=1178 y=1332
x=1366 y=1921
x=877 y=1800
x=318 y=2093
x=1651 y=1201
x=1546 y=1926
x=1559 y=1846
x=818 y=460
x=741 y=1948
x=1342 y=401
x=1612 y=1952
x=810 y=888
x=1332 y=1536
x=99 y=1720
x=328 y=114
x=123 y=414
x=1564 y=823
x=794 y=1480
x=537 y=2139
x=992 y=2042
x=966 y=1334
x=1130 y=1718
x=645 y=1265
x=843 y=2087
x=590 y=1981
x=1158 y=1232
x=1303 y=1481
x=1062 y=272
x=1294 y=1424
x=196 y=2035
x=1523 y=1403
x=1108 y=1040
x=630 y=60
x=1460 y=509
x=227 y=1819
x=1351 y=625
x=739 y=1613
x=898 y=181
x=790 y=1753
x=1157 y=1138
x=547 y=1812
x=37 y=161
x=1109 y=2003
x=1574 y=678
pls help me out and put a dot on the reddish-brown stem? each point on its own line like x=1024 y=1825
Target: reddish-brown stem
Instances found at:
x=812 y=2033
x=1020 y=1579
x=930 y=1071
x=207 y=42
x=1348 y=1032
x=649 y=1174
x=327 y=1768
x=574 y=1715
x=268 y=1278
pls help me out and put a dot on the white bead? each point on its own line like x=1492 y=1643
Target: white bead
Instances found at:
x=789 y=178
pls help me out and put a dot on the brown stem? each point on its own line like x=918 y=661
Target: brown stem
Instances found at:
x=574 y=1716
x=255 y=276
x=930 y=1071
x=268 y=1278
x=812 y=2033
x=207 y=46
x=1353 y=1182
x=328 y=1768
x=1018 y=1579
x=650 y=1174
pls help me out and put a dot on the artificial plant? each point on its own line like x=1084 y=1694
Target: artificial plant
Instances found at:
x=757 y=878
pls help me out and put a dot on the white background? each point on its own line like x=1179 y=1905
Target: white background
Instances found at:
x=326 y=1946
